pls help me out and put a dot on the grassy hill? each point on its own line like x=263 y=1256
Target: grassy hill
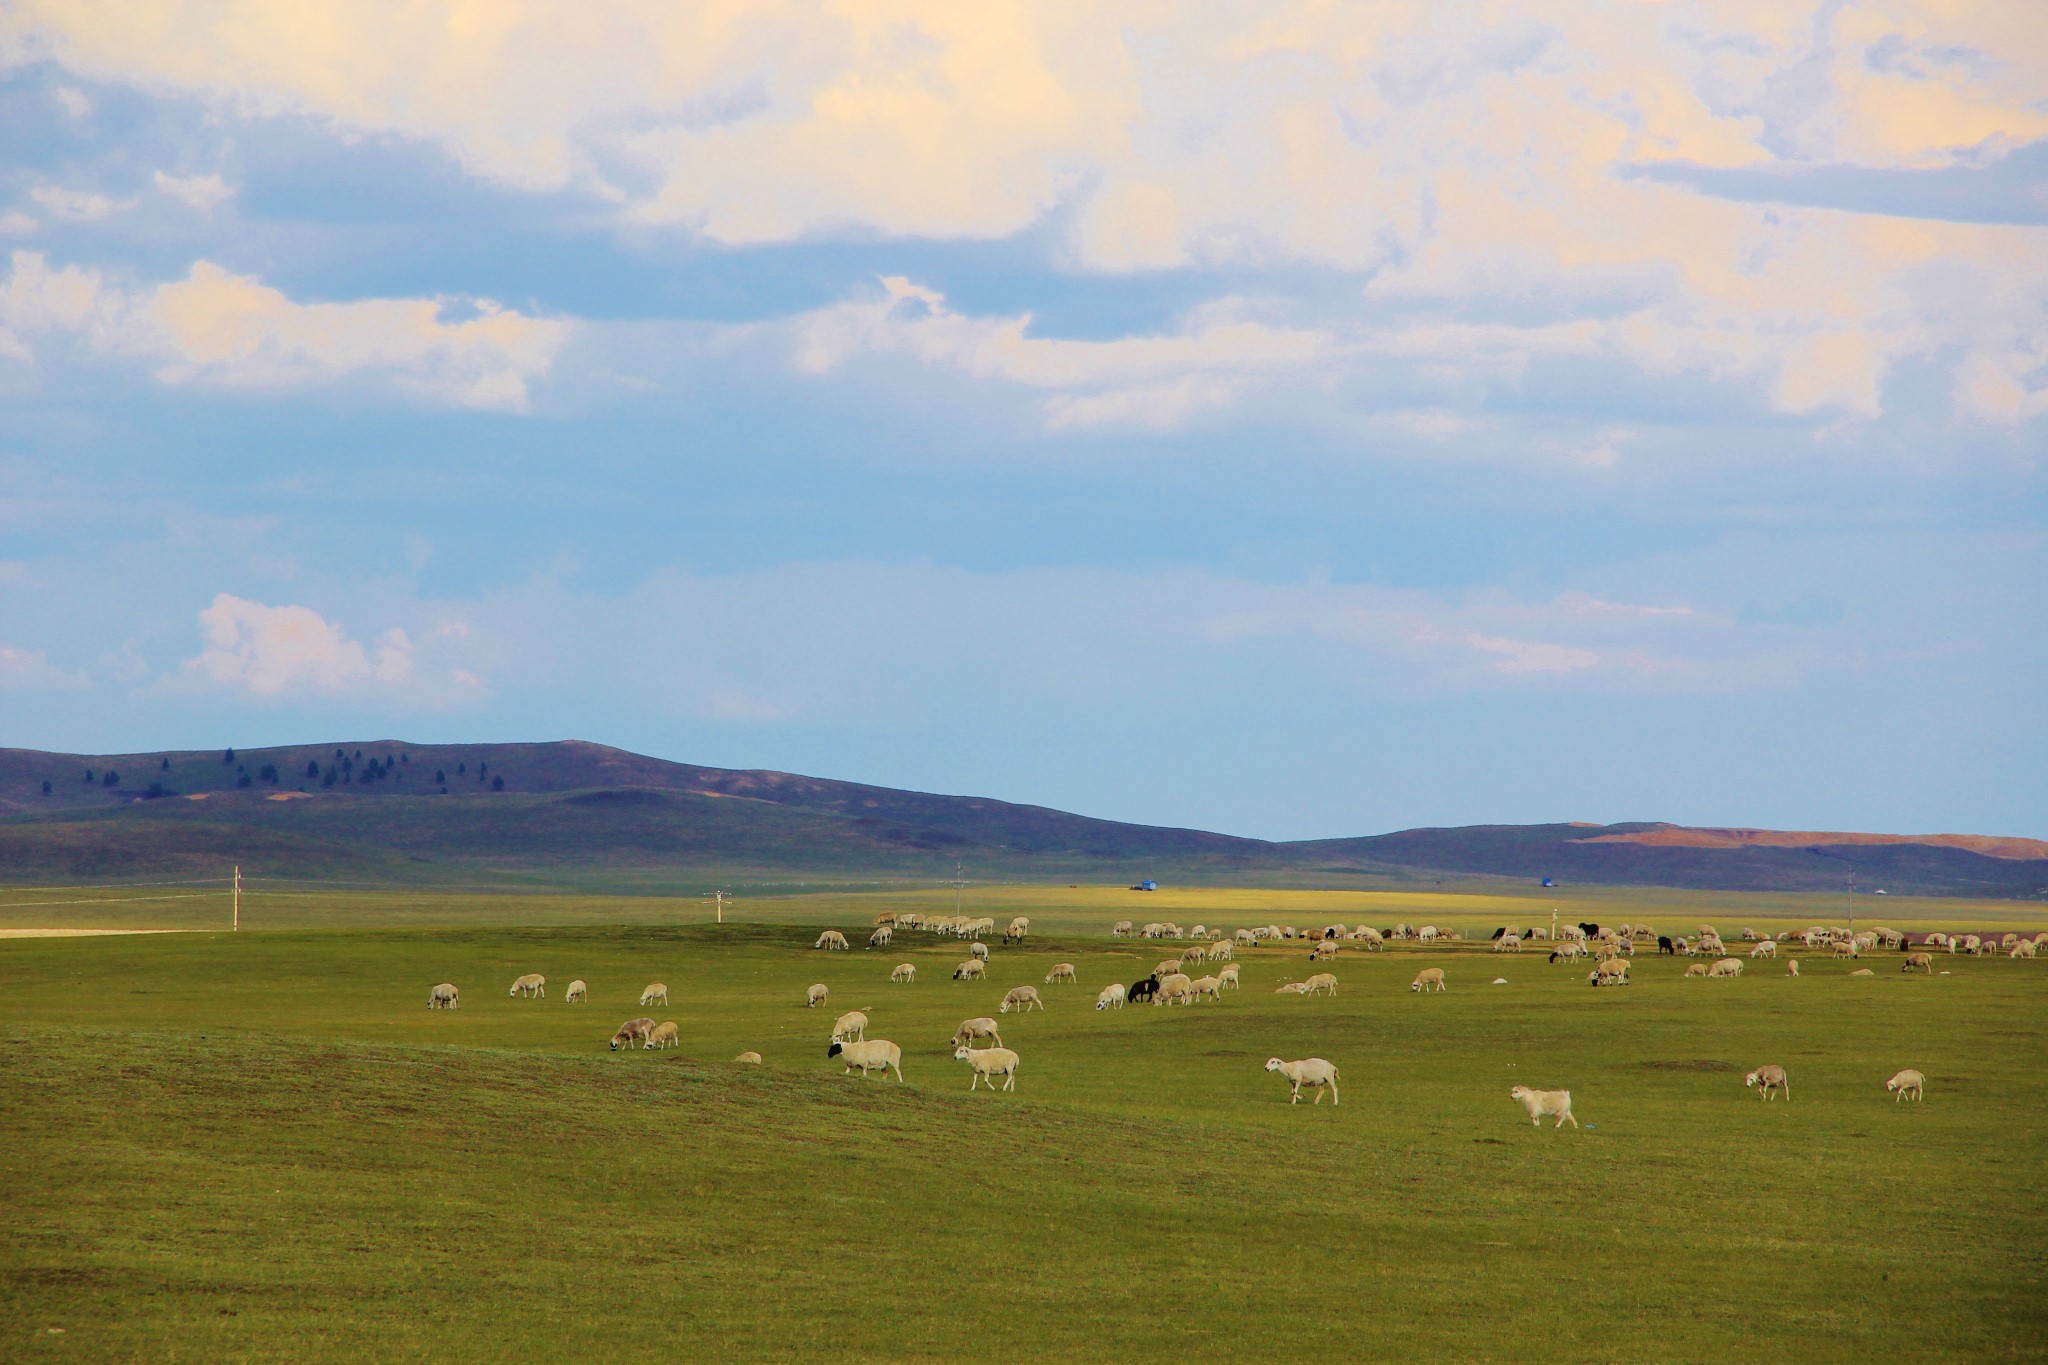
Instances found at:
x=579 y=815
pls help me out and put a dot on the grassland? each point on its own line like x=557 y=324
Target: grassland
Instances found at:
x=263 y=1146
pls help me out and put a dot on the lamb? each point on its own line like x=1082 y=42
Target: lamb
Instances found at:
x=1924 y=961
x=1541 y=1103
x=1727 y=966
x=1143 y=990
x=579 y=991
x=1569 y=951
x=832 y=941
x=1322 y=951
x=1228 y=976
x=1061 y=971
x=905 y=972
x=970 y=1029
x=531 y=984
x=444 y=997
x=816 y=996
x=1764 y=948
x=1767 y=1079
x=1313 y=1072
x=1696 y=969
x=1221 y=952
x=655 y=994
x=1508 y=943
x=1023 y=997
x=1244 y=938
x=988 y=1063
x=887 y=917
x=978 y=951
x=749 y=1058
x=878 y=1054
x=883 y=936
x=1612 y=972
x=1206 y=988
x=1429 y=978
x=1166 y=968
x=1907 y=1082
x=1112 y=996
x=1174 y=987
x=631 y=1032
x=665 y=1035
x=970 y=970
x=1791 y=966
x=853 y=1024
x=1121 y=929
x=1321 y=981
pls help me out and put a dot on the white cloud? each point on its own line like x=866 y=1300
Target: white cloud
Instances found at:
x=233 y=331
x=30 y=670
x=14 y=224
x=73 y=101
x=270 y=651
x=202 y=192
x=78 y=206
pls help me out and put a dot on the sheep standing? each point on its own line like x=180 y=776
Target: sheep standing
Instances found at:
x=971 y=1029
x=1019 y=927
x=1907 y=1082
x=1428 y=979
x=1121 y=929
x=1921 y=961
x=905 y=972
x=978 y=951
x=1727 y=966
x=579 y=993
x=1206 y=988
x=853 y=1024
x=987 y=1063
x=533 y=983
x=1791 y=966
x=1541 y=1103
x=878 y=1054
x=1612 y=971
x=1769 y=1078
x=1228 y=976
x=817 y=995
x=1023 y=997
x=1324 y=982
x=444 y=997
x=1764 y=948
x=1508 y=943
x=884 y=935
x=1112 y=997
x=1175 y=988
x=1062 y=971
x=655 y=994
x=832 y=941
x=1312 y=1072
x=1696 y=969
x=665 y=1035
x=970 y=970
x=631 y=1032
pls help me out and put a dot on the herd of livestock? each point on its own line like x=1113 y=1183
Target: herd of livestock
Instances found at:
x=1609 y=948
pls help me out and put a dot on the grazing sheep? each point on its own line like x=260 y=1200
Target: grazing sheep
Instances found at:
x=987 y=1063
x=655 y=994
x=631 y=1032
x=750 y=1058
x=886 y=919
x=1612 y=972
x=832 y=941
x=978 y=951
x=531 y=984
x=1727 y=966
x=816 y=996
x=1542 y=1103
x=970 y=1029
x=1194 y=955
x=1696 y=969
x=579 y=992
x=970 y=970
x=1764 y=948
x=1371 y=938
x=1121 y=929
x=1863 y=971
x=1313 y=1072
x=1791 y=966
x=1569 y=951
x=1221 y=952
x=1023 y=997
x=1174 y=987
x=1292 y=988
x=905 y=972
x=883 y=936
x=1019 y=927
x=1143 y=990
x=1429 y=978
x=1323 y=951
x=1666 y=947
x=1112 y=996
x=1508 y=943
x=1166 y=968
x=853 y=1024
x=1321 y=981
x=1061 y=971
x=1924 y=961
x=1427 y=933
x=1749 y=936
x=1244 y=938
x=444 y=997
x=878 y=1054
x=2024 y=948
x=1845 y=947
x=1767 y=1079
x=665 y=1035
x=1228 y=976
x=1199 y=931
x=1907 y=1082
x=1206 y=988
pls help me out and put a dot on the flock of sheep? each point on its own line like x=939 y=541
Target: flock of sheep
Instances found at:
x=1610 y=948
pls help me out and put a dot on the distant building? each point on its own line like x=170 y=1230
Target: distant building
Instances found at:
x=1146 y=886
x=1548 y=882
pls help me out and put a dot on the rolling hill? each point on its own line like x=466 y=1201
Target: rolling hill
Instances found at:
x=579 y=815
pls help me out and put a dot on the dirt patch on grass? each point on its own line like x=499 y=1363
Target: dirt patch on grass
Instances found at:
x=1699 y=1065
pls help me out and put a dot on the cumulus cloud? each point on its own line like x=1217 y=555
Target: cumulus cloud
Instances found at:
x=215 y=327
x=269 y=651
x=202 y=192
x=30 y=670
x=78 y=206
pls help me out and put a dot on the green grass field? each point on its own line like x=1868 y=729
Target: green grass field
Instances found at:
x=264 y=1147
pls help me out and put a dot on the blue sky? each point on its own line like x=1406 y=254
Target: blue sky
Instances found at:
x=1297 y=422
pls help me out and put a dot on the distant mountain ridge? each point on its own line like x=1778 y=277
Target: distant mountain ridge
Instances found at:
x=578 y=814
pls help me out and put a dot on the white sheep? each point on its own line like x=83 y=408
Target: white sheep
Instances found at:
x=1371 y=938
x=1167 y=968
x=1244 y=938
x=578 y=992
x=1175 y=986
x=1427 y=933
x=905 y=972
x=1791 y=966
x=1508 y=943
x=1696 y=969
x=1767 y=1079
x=877 y=1054
x=1325 y=982
x=1112 y=996
x=1206 y=988
x=970 y=1029
x=1228 y=976
x=533 y=983
x=655 y=994
x=987 y=1063
x=1924 y=961
x=665 y=1035
x=832 y=941
x=1543 y=1103
x=852 y=1024
x=1221 y=952
x=1023 y=997
x=1312 y=1072
x=1428 y=979
x=444 y=997
x=2024 y=948
x=1323 y=951
x=978 y=951
x=1907 y=1082
x=817 y=995
x=970 y=970
x=1612 y=972
x=1061 y=971
x=749 y=1058
x=883 y=936
x=1727 y=966
x=1292 y=988
x=631 y=1032
x=1019 y=927
x=1121 y=929
x=1764 y=948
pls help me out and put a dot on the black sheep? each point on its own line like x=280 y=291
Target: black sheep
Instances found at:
x=1143 y=990
x=1498 y=932
x=1590 y=930
x=1664 y=946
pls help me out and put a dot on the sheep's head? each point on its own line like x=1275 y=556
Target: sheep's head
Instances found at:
x=1520 y=1092
x=1273 y=1064
x=1750 y=1079
x=835 y=1049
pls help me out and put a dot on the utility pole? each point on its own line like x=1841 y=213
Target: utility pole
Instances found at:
x=959 y=888
x=238 y=898
x=718 y=903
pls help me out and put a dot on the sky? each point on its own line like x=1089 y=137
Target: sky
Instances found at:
x=1293 y=419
